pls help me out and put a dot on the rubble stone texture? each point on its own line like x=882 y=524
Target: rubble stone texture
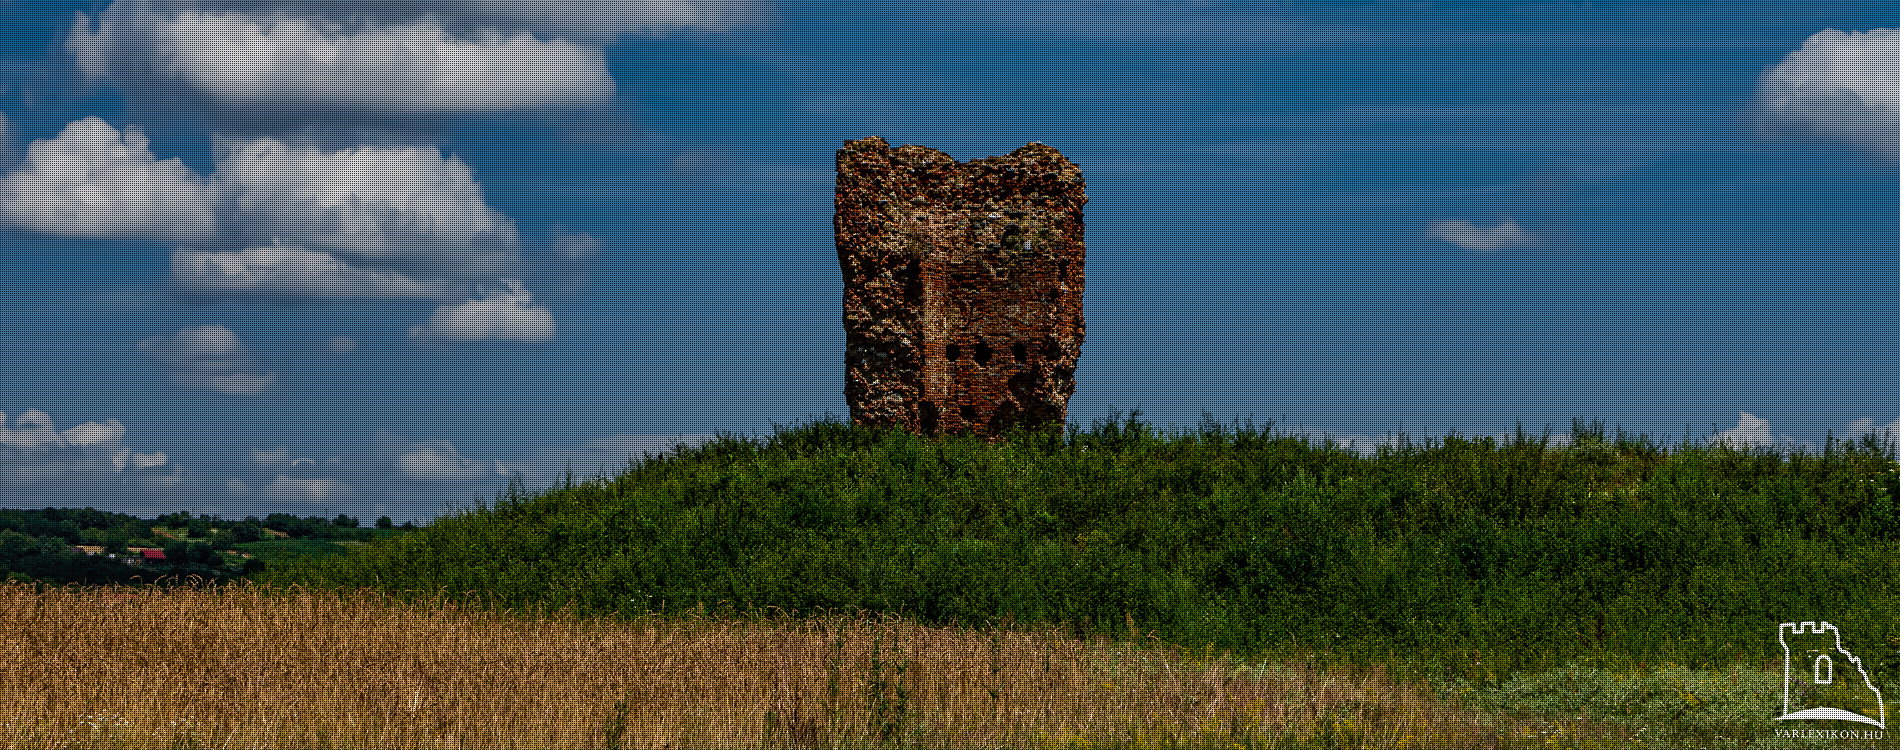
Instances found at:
x=962 y=286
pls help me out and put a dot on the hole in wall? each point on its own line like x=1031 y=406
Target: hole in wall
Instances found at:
x=983 y=354
x=913 y=285
x=1004 y=417
x=1020 y=352
x=969 y=414
x=952 y=352
x=927 y=417
x=1022 y=386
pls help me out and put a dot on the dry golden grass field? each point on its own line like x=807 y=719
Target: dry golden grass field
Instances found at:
x=251 y=667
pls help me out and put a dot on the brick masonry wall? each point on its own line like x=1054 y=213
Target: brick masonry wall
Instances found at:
x=962 y=286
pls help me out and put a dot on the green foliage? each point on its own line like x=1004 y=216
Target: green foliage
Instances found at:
x=616 y=726
x=246 y=531
x=885 y=692
x=1481 y=557
x=342 y=527
x=291 y=551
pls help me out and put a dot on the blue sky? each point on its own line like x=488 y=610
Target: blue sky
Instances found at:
x=372 y=258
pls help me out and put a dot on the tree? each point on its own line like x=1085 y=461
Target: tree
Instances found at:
x=248 y=531
x=344 y=521
x=14 y=544
x=384 y=523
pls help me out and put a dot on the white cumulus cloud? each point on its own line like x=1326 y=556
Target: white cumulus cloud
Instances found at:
x=279 y=59
x=1865 y=425
x=1750 y=430
x=584 y=20
x=506 y=314
x=32 y=430
x=403 y=206
x=94 y=433
x=438 y=460
x=350 y=223
x=279 y=270
x=1507 y=234
x=210 y=357
x=293 y=489
x=35 y=450
x=92 y=180
x=1843 y=85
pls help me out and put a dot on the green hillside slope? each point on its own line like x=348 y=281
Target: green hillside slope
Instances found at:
x=1479 y=557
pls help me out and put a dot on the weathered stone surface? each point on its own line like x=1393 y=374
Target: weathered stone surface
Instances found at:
x=962 y=286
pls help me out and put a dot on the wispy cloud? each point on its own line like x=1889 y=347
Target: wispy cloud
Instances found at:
x=304 y=490
x=1507 y=234
x=282 y=271
x=438 y=460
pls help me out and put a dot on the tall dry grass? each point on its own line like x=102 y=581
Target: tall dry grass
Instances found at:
x=259 y=667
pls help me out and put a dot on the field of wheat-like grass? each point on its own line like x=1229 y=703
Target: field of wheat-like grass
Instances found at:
x=256 y=667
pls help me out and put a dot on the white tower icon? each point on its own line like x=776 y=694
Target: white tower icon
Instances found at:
x=1809 y=656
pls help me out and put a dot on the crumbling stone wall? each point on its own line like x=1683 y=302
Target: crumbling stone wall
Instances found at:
x=962 y=286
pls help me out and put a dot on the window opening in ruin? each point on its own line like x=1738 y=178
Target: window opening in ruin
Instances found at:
x=914 y=286
x=1019 y=351
x=927 y=417
x=969 y=414
x=952 y=352
x=983 y=354
x=1023 y=386
x=1004 y=417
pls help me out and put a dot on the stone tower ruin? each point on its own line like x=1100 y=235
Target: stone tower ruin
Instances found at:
x=962 y=286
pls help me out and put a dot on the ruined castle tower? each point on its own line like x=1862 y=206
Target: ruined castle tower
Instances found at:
x=962 y=286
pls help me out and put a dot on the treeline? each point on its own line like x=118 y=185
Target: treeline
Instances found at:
x=39 y=544
x=1476 y=555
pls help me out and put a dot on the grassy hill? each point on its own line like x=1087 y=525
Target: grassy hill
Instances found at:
x=1472 y=558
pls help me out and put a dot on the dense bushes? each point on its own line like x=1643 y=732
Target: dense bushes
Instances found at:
x=1475 y=555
